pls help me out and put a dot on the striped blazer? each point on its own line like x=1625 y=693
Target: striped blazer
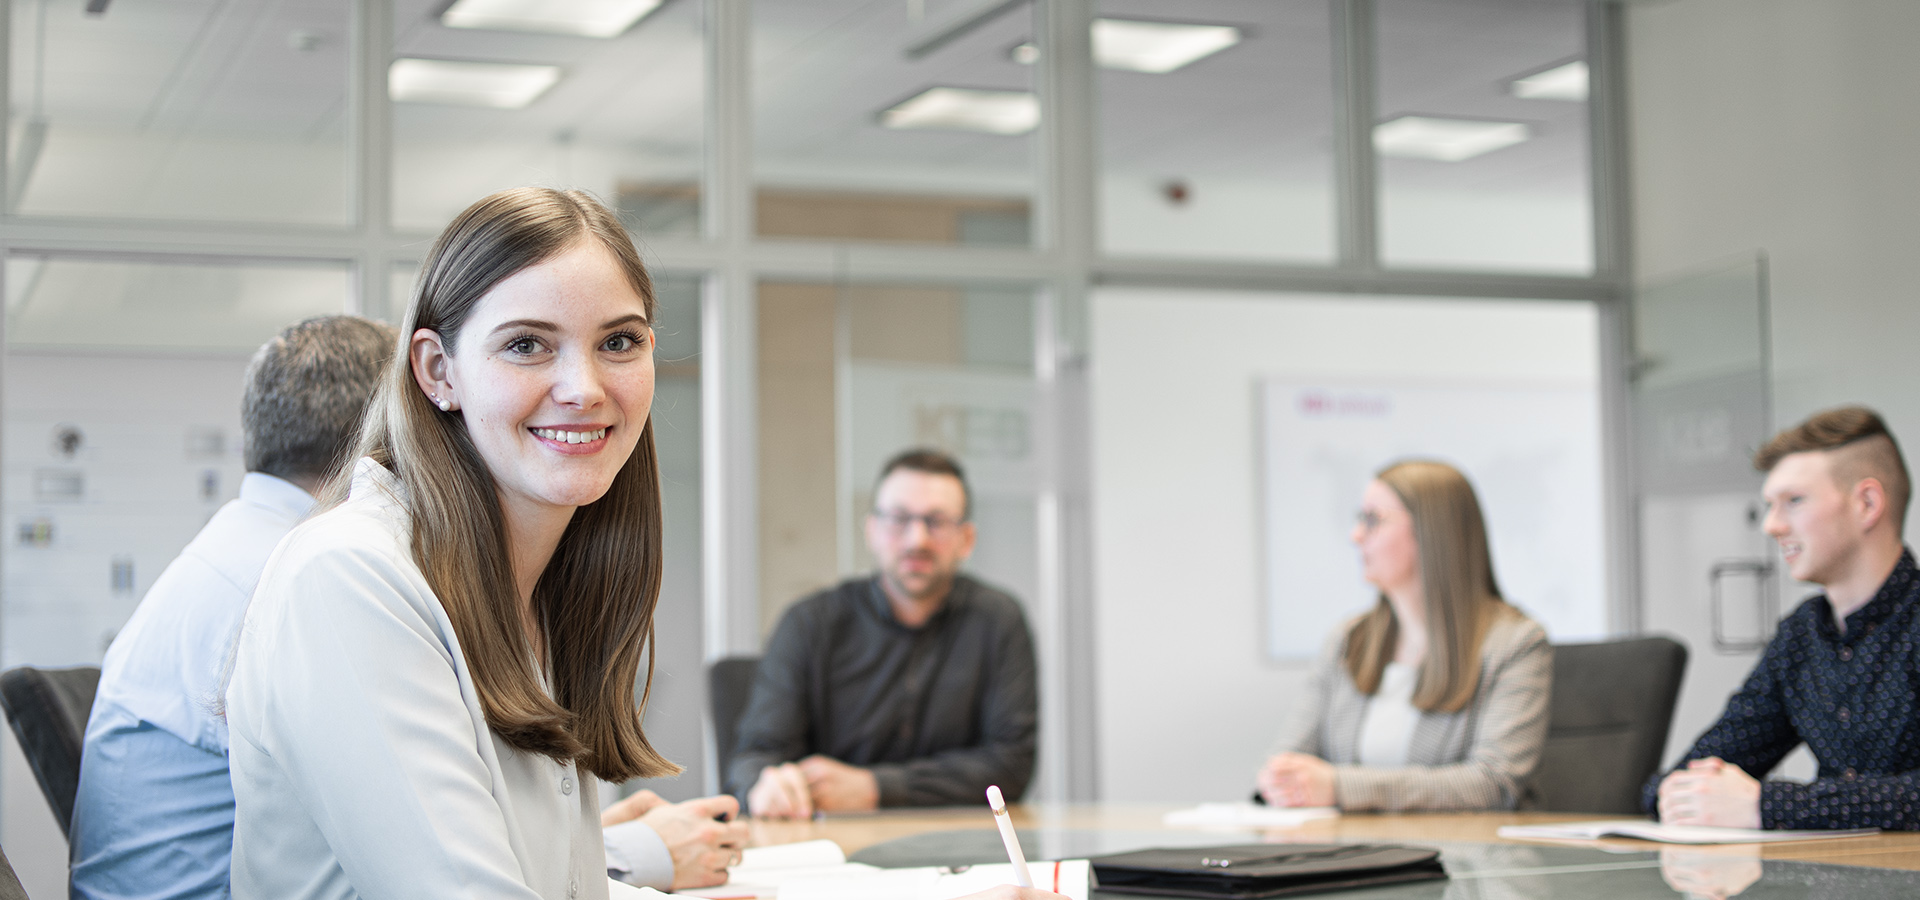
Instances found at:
x=1482 y=757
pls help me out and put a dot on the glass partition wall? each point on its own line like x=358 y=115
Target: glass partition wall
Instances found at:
x=875 y=223
x=849 y=376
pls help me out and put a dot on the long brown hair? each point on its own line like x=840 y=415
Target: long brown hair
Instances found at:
x=1456 y=576
x=594 y=602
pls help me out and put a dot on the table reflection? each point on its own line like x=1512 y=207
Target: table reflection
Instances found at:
x=1711 y=874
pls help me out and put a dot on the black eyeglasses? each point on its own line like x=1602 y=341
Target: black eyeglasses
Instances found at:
x=899 y=523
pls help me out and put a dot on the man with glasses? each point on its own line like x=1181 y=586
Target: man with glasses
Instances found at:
x=912 y=687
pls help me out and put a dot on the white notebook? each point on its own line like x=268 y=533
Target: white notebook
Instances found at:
x=1670 y=834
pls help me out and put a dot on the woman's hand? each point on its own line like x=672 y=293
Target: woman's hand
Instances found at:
x=633 y=807
x=704 y=836
x=1297 y=779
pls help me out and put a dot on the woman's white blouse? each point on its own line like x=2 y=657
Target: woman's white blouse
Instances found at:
x=1386 y=728
x=362 y=765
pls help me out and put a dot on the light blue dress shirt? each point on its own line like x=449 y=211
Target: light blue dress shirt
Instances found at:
x=154 y=813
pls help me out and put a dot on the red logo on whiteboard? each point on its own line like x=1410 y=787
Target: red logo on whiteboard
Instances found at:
x=1327 y=403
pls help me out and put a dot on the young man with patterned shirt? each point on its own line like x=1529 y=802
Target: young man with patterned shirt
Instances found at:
x=1842 y=673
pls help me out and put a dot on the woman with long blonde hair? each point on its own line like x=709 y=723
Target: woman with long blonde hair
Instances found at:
x=1437 y=697
x=435 y=673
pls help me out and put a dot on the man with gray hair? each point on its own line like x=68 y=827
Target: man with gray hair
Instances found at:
x=153 y=816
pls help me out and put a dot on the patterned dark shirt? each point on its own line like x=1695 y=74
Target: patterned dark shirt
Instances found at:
x=1851 y=698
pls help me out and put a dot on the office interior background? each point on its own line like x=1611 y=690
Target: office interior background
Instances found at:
x=1084 y=244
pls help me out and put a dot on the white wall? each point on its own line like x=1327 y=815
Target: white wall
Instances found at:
x=143 y=499
x=1788 y=126
x=1187 y=701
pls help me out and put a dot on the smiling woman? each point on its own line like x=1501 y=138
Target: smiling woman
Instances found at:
x=552 y=373
x=434 y=672
x=435 y=669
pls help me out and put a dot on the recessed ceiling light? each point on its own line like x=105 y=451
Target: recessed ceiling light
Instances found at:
x=966 y=109
x=1157 y=47
x=498 y=85
x=1447 y=140
x=1568 y=82
x=586 y=18
x=1153 y=47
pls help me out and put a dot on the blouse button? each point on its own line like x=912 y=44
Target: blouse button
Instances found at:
x=1849 y=774
x=1842 y=714
x=566 y=781
x=1846 y=653
x=573 y=888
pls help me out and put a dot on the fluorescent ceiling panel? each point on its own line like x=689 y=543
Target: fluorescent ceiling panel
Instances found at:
x=966 y=109
x=586 y=18
x=1568 y=82
x=496 y=85
x=1447 y=140
x=1153 y=47
x=1157 y=47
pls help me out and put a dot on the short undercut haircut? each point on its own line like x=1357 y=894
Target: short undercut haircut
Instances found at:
x=306 y=391
x=932 y=462
x=1860 y=446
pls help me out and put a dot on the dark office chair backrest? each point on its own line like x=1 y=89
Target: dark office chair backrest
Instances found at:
x=1607 y=723
x=729 y=685
x=48 y=711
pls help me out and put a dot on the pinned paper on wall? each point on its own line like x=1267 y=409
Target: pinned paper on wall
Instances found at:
x=1531 y=450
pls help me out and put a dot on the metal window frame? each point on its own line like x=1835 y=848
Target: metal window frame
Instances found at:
x=1063 y=266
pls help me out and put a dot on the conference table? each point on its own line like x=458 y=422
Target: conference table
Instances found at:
x=1480 y=863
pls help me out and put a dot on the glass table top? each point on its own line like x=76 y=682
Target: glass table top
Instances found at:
x=1476 y=871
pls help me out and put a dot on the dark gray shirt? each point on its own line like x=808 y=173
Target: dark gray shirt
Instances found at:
x=936 y=712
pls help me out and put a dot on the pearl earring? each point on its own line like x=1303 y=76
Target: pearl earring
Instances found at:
x=444 y=404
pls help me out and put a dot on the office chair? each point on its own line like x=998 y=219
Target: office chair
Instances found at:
x=729 y=685
x=1607 y=723
x=48 y=710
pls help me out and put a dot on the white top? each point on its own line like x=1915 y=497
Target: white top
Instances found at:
x=1386 y=728
x=362 y=765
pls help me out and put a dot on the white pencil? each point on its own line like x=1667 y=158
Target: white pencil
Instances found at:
x=1000 y=817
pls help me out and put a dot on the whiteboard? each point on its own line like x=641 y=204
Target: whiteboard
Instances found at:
x=1531 y=450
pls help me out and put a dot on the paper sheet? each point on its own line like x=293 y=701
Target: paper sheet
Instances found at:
x=788 y=856
x=1670 y=834
x=762 y=870
x=1247 y=815
x=620 y=890
x=936 y=884
x=818 y=870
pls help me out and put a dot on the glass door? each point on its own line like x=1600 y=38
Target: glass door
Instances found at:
x=1702 y=406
